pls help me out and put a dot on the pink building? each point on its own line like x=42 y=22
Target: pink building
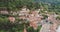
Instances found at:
x=11 y=19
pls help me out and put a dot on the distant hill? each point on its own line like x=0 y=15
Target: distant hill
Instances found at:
x=49 y=1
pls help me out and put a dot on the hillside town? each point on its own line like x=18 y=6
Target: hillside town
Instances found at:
x=29 y=15
x=35 y=18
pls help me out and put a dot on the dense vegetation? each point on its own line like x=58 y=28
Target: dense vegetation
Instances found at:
x=17 y=4
x=31 y=4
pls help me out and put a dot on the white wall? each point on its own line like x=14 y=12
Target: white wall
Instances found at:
x=58 y=30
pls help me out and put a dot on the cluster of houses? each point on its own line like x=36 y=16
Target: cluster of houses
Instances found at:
x=34 y=18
